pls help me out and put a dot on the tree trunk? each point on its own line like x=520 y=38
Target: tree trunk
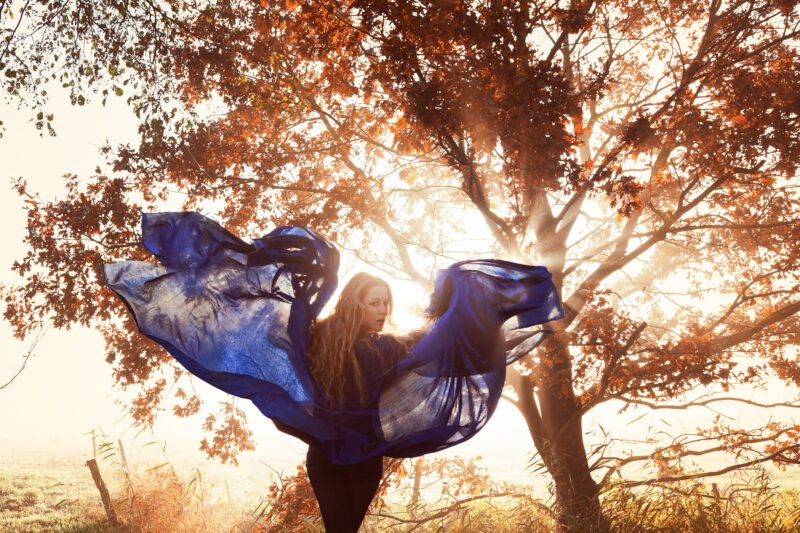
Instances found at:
x=556 y=429
x=419 y=464
x=576 y=492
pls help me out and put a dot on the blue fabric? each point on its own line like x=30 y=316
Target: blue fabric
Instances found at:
x=238 y=316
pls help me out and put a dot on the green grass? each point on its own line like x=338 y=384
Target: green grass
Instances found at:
x=49 y=499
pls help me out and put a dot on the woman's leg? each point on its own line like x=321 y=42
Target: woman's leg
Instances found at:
x=330 y=484
x=363 y=481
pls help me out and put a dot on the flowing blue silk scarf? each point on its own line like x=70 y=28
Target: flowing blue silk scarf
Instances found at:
x=238 y=315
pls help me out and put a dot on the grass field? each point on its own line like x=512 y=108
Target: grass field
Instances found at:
x=50 y=497
x=61 y=496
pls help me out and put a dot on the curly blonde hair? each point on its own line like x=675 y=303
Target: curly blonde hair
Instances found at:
x=333 y=340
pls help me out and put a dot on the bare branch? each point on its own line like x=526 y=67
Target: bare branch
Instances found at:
x=28 y=355
x=704 y=403
x=712 y=473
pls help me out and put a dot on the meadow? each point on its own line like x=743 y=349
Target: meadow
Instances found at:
x=62 y=497
x=420 y=496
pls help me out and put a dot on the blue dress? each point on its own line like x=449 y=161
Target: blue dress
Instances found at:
x=238 y=315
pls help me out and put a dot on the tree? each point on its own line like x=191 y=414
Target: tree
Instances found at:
x=645 y=152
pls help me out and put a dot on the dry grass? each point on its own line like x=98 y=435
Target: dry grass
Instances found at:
x=750 y=504
x=64 y=499
x=159 y=500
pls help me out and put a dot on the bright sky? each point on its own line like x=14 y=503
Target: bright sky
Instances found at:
x=67 y=389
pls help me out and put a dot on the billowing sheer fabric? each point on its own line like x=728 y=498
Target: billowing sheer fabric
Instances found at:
x=238 y=316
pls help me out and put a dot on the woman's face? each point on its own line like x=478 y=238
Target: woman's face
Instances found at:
x=376 y=307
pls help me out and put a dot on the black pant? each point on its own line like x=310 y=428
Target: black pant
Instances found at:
x=344 y=492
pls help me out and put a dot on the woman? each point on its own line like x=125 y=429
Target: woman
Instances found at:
x=348 y=369
x=243 y=317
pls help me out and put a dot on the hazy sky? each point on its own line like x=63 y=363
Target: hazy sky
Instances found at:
x=67 y=388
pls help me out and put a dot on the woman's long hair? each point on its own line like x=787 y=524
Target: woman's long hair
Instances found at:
x=333 y=340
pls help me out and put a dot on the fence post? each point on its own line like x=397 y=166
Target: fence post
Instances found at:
x=98 y=481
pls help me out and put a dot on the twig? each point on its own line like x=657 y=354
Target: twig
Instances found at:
x=25 y=358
